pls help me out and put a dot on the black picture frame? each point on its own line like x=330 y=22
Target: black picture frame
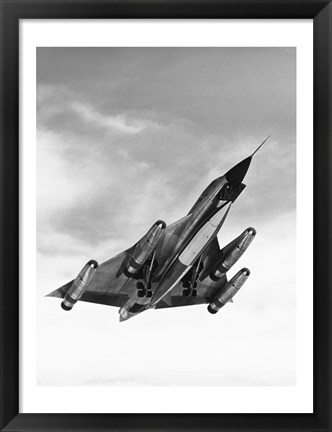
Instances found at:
x=11 y=12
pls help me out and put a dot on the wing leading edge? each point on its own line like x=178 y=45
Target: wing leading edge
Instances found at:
x=109 y=285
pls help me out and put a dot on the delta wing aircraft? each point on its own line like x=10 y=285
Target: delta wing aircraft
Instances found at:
x=176 y=265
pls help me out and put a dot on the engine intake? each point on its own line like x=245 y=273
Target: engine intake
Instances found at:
x=80 y=285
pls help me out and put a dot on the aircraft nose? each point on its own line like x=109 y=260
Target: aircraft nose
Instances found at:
x=236 y=174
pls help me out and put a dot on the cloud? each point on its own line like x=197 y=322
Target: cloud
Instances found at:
x=117 y=123
x=250 y=342
x=60 y=108
x=223 y=91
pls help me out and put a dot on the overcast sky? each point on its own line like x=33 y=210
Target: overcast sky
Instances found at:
x=126 y=136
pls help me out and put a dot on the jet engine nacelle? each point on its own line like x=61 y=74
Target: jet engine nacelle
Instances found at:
x=229 y=291
x=231 y=253
x=80 y=285
x=144 y=248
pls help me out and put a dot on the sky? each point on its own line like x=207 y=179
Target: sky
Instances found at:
x=127 y=136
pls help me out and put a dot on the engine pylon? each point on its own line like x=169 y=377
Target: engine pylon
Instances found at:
x=231 y=253
x=80 y=285
x=228 y=291
x=144 y=248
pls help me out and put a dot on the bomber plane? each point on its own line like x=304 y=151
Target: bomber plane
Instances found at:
x=177 y=265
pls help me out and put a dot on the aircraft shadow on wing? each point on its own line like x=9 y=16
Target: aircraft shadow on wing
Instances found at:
x=170 y=266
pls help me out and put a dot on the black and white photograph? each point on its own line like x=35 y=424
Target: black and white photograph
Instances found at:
x=166 y=216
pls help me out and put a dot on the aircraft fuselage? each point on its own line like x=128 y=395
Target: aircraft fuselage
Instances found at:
x=203 y=223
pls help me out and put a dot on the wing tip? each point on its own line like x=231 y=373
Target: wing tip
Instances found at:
x=59 y=292
x=55 y=293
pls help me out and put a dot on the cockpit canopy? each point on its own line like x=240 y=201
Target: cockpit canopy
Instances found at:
x=229 y=192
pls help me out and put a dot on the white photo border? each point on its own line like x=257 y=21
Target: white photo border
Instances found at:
x=184 y=33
